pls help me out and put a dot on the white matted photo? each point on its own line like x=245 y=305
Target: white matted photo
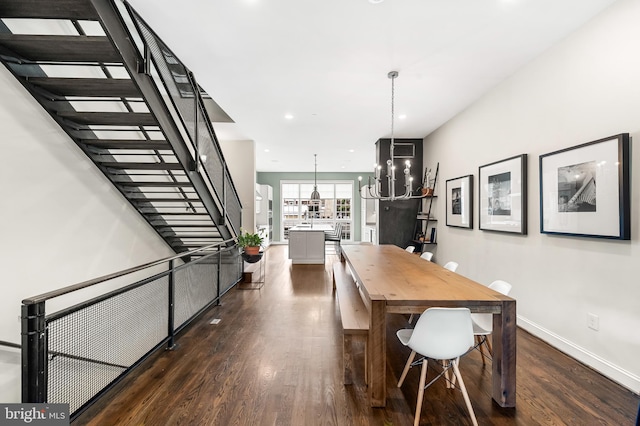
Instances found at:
x=503 y=195
x=459 y=199
x=584 y=190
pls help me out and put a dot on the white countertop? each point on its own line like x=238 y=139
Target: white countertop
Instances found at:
x=315 y=227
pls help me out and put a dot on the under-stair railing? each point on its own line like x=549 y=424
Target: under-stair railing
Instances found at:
x=187 y=105
x=80 y=340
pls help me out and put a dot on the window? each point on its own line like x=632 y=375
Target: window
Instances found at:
x=334 y=206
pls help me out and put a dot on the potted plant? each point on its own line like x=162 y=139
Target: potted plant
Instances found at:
x=250 y=242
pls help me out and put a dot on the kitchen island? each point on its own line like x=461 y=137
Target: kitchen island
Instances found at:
x=306 y=243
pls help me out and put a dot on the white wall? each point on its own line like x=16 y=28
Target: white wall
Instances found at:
x=62 y=221
x=583 y=89
x=240 y=156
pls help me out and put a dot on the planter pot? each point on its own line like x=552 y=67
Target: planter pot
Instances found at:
x=252 y=250
x=251 y=258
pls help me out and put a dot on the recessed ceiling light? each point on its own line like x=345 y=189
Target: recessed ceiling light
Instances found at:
x=402 y=116
x=266 y=150
x=288 y=116
x=375 y=1
x=352 y=150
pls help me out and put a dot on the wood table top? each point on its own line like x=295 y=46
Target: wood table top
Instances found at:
x=389 y=272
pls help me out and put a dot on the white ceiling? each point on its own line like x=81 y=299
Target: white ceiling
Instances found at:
x=326 y=63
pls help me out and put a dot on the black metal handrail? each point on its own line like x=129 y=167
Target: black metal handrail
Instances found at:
x=76 y=354
x=9 y=344
x=224 y=188
x=85 y=284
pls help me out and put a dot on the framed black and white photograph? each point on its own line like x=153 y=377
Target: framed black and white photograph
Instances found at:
x=460 y=202
x=503 y=195
x=584 y=190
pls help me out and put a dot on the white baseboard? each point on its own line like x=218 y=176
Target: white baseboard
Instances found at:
x=615 y=373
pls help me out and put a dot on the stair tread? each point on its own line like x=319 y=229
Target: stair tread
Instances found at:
x=110 y=118
x=61 y=48
x=192 y=237
x=165 y=200
x=158 y=184
x=183 y=226
x=88 y=87
x=126 y=144
x=177 y=214
x=47 y=9
x=141 y=166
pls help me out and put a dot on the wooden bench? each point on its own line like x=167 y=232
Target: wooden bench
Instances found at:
x=354 y=317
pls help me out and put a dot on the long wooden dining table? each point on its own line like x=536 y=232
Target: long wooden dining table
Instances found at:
x=393 y=281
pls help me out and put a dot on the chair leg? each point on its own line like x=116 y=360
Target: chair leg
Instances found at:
x=487 y=340
x=448 y=382
x=453 y=382
x=406 y=368
x=467 y=401
x=423 y=379
x=410 y=318
x=480 y=344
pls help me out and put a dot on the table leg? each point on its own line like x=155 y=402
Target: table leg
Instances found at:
x=377 y=348
x=504 y=355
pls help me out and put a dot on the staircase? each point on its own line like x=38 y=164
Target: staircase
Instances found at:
x=134 y=109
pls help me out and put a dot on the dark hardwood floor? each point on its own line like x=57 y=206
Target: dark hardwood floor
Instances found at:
x=275 y=359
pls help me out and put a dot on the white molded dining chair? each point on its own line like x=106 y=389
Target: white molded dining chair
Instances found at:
x=483 y=323
x=440 y=334
x=410 y=249
x=427 y=255
x=452 y=266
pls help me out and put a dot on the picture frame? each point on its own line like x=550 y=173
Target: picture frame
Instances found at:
x=459 y=201
x=502 y=195
x=570 y=201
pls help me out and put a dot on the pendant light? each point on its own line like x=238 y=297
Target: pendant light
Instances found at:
x=373 y=188
x=315 y=195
